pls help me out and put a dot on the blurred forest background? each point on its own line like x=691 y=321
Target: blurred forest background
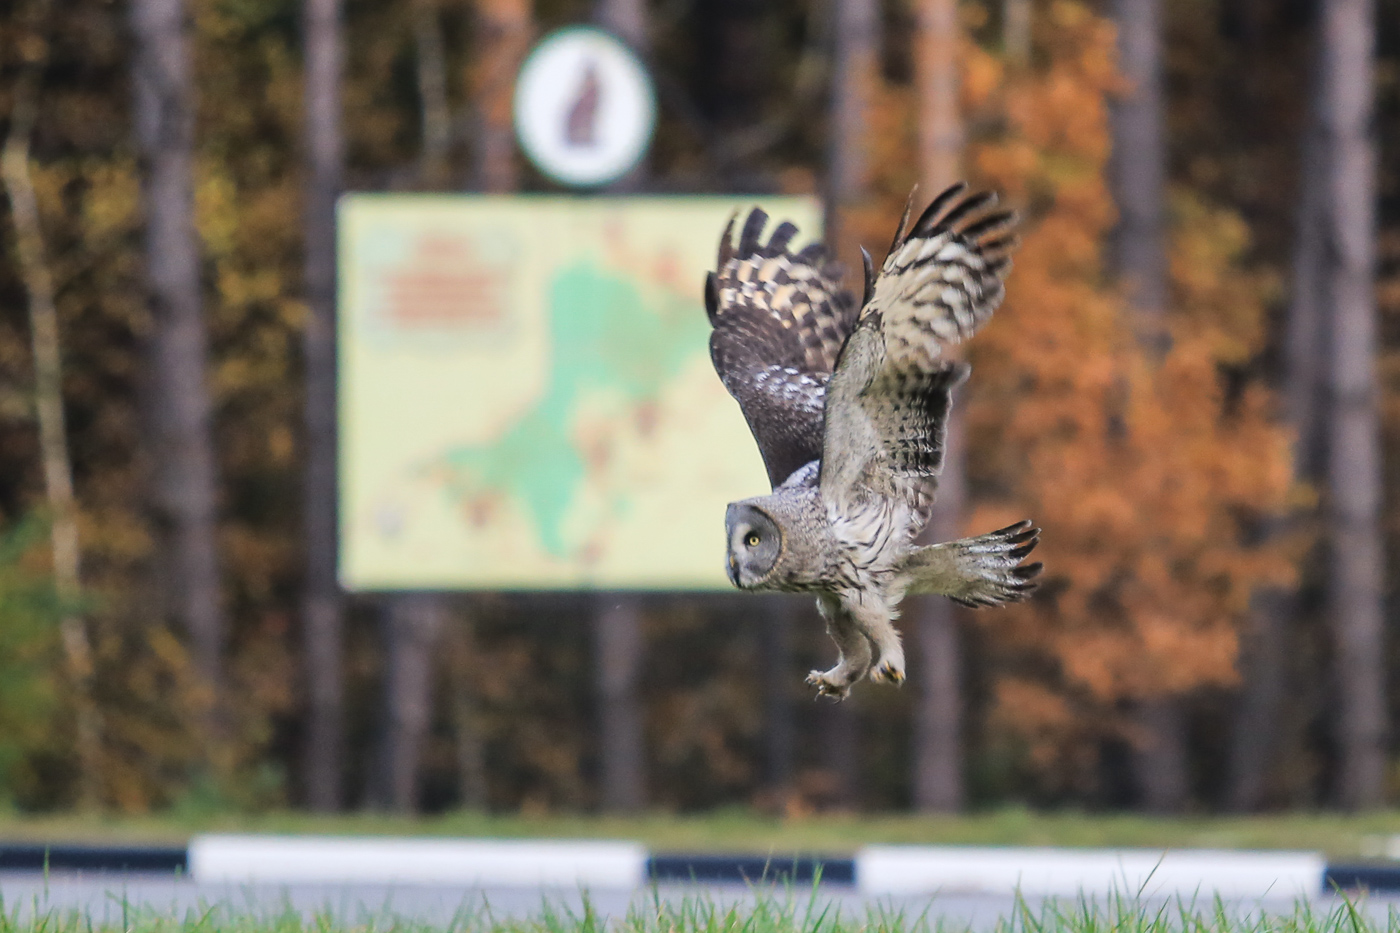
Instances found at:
x=1193 y=386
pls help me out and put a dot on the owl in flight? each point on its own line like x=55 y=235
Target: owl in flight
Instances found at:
x=849 y=405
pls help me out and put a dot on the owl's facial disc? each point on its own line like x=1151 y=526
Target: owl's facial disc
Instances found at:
x=755 y=542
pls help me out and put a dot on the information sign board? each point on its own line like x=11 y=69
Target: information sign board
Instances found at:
x=526 y=398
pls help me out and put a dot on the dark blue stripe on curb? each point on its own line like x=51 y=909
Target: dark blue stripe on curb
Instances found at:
x=750 y=869
x=30 y=857
x=1371 y=877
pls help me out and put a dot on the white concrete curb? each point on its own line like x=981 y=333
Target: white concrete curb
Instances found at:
x=478 y=862
x=1070 y=872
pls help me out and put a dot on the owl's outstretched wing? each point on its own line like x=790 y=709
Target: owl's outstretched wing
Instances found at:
x=889 y=397
x=780 y=319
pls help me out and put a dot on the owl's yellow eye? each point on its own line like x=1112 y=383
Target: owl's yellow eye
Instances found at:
x=751 y=540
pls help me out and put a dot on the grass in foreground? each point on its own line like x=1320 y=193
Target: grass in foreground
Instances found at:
x=1339 y=836
x=762 y=912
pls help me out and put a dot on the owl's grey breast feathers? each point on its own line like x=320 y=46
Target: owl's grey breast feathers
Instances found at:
x=780 y=320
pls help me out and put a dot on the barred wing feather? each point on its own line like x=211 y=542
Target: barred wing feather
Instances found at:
x=889 y=397
x=780 y=320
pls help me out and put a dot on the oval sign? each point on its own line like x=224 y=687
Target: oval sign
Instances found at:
x=584 y=107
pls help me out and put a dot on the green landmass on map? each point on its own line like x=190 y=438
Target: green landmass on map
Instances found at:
x=603 y=336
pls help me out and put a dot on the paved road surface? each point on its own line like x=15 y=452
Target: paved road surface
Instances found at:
x=105 y=897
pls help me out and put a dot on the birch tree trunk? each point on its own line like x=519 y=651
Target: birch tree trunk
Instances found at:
x=178 y=413
x=938 y=753
x=53 y=433
x=321 y=600
x=1353 y=502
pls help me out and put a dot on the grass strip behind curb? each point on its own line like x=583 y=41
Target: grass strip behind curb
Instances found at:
x=1340 y=836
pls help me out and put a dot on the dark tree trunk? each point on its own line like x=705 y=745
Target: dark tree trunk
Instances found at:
x=1139 y=166
x=435 y=116
x=503 y=33
x=936 y=75
x=618 y=649
x=321 y=600
x=1263 y=654
x=1139 y=171
x=776 y=669
x=1159 y=755
x=1263 y=668
x=178 y=416
x=628 y=20
x=839 y=727
x=938 y=753
x=1307 y=331
x=462 y=667
x=855 y=68
x=1016 y=30
x=618 y=623
x=1353 y=501
x=413 y=628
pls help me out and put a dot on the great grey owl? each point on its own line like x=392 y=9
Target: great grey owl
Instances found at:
x=849 y=405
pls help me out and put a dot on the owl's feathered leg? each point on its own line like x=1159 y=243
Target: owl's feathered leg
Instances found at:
x=875 y=617
x=851 y=642
x=981 y=571
x=889 y=659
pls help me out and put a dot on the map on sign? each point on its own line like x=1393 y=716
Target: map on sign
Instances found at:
x=526 y=397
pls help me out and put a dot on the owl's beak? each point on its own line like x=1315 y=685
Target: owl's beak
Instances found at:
x=733 y=568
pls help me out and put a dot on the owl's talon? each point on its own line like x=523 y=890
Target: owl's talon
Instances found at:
x=888 y=672
x=827 y=687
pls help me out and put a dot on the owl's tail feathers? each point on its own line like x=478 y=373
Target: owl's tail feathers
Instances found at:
x=981 y=571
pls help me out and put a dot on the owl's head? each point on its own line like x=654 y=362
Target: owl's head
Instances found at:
x=755 y=544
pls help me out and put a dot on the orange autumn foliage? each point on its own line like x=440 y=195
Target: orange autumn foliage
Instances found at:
x=1145 y=474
